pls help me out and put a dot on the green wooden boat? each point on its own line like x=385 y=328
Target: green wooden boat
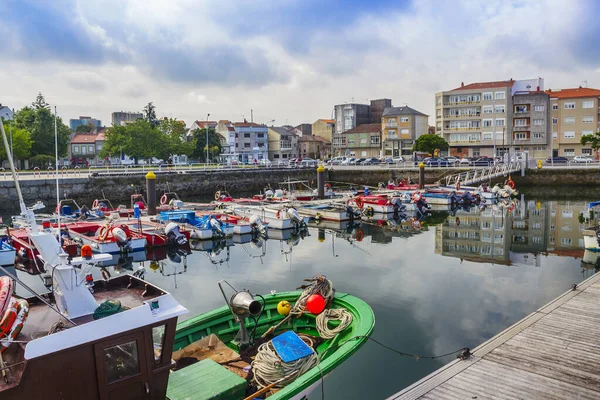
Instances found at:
x=332 y=352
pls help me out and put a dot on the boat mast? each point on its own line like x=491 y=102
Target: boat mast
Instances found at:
x=28 y=214
x=57 y=187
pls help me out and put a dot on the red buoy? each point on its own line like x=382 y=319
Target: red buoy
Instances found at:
x=315 y=303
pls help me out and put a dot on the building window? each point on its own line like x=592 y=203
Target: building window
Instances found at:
x=570 y=106
x=350 y=142
x=538 y=122
x=569 y=120
x=500 y=108
x=158 y=341
x=404 y=131
x=236 y=145
x=566 y=241
x=587 y=119
x=488 y=96
x=586 y=133
x=91 y=149
x=363 y=141
x=75 y=149
x=554 y=120
x=260 y=135
x=476 y=152
x=246 y=145
x=521 y=122
x=520 y=136
x=261 y=145
x=499 y=121
x=284 y=155
x=586 y=152
x=539 y=107
x=246 y=135
x=538 y=136
x=391 y=133
x=587 y=104
x=275 y=156
x=487 y=122
x=554 y=135
x=488 y=109
x=363 y=153
x=555 y=106
x=403 y=119
x=375 y=140
x=500 y=95
x=569 y=135
x=487 y=135
x=83 y=150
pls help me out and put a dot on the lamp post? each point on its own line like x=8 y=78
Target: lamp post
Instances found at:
x=11 y=142
x=332 y=133
x=494 y=130
x=207 y=116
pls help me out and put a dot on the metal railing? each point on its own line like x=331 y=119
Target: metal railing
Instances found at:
x=483 y=174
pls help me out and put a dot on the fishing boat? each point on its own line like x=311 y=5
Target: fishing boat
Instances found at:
x=7 y=250
x=26 y=250
x=375 y=203
x=106 y=238
x=325 y=212
x=203 y=227
x=157 y=234
x=273 y=330
x=277 y=216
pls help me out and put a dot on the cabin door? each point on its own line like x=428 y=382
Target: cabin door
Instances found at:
x=123 y=368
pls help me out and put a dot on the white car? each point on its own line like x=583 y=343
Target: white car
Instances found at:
x=582 y=159
x=308 y=162
x=337 y=160
x=398 y=160
x=265 y=163
x=348 y=161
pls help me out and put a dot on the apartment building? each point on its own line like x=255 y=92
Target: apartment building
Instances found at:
x=323 y=128
x=477 y=118
x=74 y=123
x=530 y=124
x=283 y=142
x=363 y=141
x=349 y=116
x=574 y=112
x=400 y=127
x=313 y=147
x=5 y=113
x=251 y=141
x=124 y=118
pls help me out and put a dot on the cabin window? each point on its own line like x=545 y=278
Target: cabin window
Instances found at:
x=121 y=361
x=158 y=340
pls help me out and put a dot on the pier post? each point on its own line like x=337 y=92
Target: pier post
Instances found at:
x=151 y=191
x=321 y=182
x=421 y=175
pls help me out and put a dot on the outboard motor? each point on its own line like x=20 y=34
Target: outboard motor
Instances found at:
x=352 y=213
x=174 y=235
x=257 y=224
x=122 y=239
x=294 y=216
x=216 y=226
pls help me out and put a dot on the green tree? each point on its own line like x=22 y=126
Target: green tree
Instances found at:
x=150 y=114
x=593 y=139
x=40 y=102
x=428 y=143
x=176 y=139
x=214 y=141
x=39 y=122
x=87 y=128
x=138 y=140
x=21 y=142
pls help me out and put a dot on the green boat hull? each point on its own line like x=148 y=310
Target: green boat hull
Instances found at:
x=331 y=352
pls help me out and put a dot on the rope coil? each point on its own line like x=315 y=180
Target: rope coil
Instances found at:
x=336 y=314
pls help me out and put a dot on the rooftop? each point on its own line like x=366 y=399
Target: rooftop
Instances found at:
x=313 y=138
x=573 y=93
x=83 y=138
x=283 y=130
x=406 y=110
x=328 y=121
x=486 y=85
x=247 y=124
x=366 y=128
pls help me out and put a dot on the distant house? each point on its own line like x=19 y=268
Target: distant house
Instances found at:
x=313 y=147
x=283 y=143
x=400 y=127
x=305 y=129
x=323 y=128
x=83 y=149
x=251 y=141
x=363 y=141
x=6 y=113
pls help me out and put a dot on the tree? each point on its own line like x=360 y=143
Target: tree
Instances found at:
x=150 y=114
x=21 y=142
x=138 y=140
x=593 y=139
x=176 y=139
x=39 y=122
x=214 y=140
x=429 y=143
x=40 y=102
x=87 y=128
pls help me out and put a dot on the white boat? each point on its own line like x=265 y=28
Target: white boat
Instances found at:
x=7 y=251
x=323 y=212
x=278 y=217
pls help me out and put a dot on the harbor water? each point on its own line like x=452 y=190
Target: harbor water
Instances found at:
x=456 y=282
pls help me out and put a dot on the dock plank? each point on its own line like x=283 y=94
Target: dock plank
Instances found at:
x=552 y=353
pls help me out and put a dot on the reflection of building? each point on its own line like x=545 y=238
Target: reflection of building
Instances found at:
x=529 y=232
x=475 y=236
x=565 y=232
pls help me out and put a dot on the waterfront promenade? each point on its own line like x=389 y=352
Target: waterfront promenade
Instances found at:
x=553 y=353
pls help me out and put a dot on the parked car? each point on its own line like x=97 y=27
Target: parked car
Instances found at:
x=357 y=161
x=337 y=160
x=308 y=162
x=482 y=162
x=437 y=162
x=557 y=160
x=398 y=159
x=583 y=159
x=466 y=160
x=452 y=159
x=294 y=162
x=265 y=163
x=371 y=161
x=348 y=161
x=387 y=160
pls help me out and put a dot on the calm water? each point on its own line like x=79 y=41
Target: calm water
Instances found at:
x=447 y=286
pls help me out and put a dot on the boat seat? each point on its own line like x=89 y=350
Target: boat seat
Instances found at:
x=205 y=380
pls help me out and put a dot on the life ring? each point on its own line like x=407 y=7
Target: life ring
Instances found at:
x=511 y=183
x=8 y=317
x=328 y=186
x=403 y=182
x=163 y=200
x=416 y=224
x=457 y=221
x=360 y=235
x=17 y=325
x=6 y=289
x=105 y=275
x=103 y=232
x=218 y=195
x=359 y=202
x=95 y=204
x=368 y=211
x=416 y=197
x=278 y=214
x=457 y=185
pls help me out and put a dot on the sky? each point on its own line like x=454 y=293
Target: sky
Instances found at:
x=287 y=60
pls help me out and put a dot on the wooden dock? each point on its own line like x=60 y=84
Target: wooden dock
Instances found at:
x=553 y=353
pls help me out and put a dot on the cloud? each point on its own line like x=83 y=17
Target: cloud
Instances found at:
x=86 y=81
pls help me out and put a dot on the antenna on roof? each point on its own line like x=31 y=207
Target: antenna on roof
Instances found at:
x=584 y=84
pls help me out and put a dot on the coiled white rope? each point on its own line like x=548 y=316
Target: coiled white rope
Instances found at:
x=333 y=314
x=268 y=367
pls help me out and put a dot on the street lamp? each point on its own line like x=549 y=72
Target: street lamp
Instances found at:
x=207 y=116
x=494 y=130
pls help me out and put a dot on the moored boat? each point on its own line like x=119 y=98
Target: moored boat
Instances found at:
x=106 y=238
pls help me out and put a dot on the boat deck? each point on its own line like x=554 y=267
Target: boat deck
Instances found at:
x=553 y=353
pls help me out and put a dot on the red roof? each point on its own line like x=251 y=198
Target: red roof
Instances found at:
x=83 y=138
x=573 y=93
x=365 y=128
x=486 y=85
x=100 y=135
x=247 y=124
x=329 y=121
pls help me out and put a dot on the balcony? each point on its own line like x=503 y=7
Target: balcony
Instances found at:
x=521 y=128
x=460 y=116
x=391 y=125
x=466 y=129
x=462 y=103
x=470 y=142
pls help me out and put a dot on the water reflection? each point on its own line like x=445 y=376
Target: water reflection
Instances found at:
x=463 y=276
